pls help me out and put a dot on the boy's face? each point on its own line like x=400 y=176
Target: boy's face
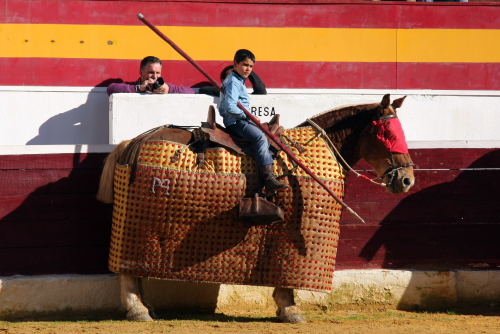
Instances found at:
x=244 y=68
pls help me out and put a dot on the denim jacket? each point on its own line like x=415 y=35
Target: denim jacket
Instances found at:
x=236 y=91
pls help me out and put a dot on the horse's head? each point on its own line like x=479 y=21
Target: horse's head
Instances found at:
x=384 y=146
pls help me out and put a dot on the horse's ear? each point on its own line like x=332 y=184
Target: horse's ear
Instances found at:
x=386 y=100
x=398 y=102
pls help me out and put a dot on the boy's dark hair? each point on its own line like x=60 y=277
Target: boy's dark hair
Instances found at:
x=150 y=59
x=242 y=55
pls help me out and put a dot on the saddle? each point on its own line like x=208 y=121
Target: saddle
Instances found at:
x=219 y=135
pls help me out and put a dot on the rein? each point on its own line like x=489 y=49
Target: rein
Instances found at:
x=391 y=172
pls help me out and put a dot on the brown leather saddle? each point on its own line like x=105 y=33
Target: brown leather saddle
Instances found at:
x=219 y=135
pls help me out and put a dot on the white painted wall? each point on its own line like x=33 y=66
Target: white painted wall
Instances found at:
x=82 y=118
x=53 y=115
x=430 y=119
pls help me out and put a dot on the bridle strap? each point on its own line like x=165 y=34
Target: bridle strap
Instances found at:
x=390 y=172
x=323 y=133
x=393 y=170
x=386 y=117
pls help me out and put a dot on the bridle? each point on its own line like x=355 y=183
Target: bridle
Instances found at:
x=391 y=172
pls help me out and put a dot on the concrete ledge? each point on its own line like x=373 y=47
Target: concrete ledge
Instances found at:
x=429 y=120
x=79 y=116
x=393 y=289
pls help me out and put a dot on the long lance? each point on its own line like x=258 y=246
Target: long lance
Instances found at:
x=250 y=116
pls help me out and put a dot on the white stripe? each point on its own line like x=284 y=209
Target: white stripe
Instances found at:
x=454 y=144
x=59 y=149
x=54 y=149
x=52 y=89
x=361 y=92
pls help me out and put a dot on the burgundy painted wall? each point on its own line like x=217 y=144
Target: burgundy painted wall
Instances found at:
x=51 y=223
x=228 y=13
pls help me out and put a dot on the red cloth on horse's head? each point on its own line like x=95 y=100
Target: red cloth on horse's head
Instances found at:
x=392 y=135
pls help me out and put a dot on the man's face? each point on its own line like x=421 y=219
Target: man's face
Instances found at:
x=151 y=71
x=244 y=68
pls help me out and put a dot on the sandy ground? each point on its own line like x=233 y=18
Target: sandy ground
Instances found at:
x=344 y=321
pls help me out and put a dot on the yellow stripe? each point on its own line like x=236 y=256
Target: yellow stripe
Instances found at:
x=449 y=45
x=269 y=44
x=201 y=43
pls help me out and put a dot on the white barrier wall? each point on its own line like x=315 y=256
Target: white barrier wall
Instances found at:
x=86 y=116
x=440 y=119
x=53 y=116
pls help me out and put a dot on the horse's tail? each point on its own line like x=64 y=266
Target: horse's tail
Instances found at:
x=106 y=187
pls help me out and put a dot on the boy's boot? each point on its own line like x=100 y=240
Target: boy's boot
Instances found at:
x=270 y=181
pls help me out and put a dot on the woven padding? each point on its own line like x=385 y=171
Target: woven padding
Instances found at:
x=180 y=223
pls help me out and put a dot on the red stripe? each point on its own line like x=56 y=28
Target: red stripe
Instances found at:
x=450 y=16
x=99 y=72
x=256 y=14
x=53 y=161
x=449 y=76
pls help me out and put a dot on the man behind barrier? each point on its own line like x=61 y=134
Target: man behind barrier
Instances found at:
x=150 y=81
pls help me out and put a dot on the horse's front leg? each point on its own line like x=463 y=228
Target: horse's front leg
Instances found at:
x=144 y=301
x=132 y=300
x=287 y=311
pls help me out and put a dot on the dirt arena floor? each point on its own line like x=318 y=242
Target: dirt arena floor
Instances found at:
x=377 y=321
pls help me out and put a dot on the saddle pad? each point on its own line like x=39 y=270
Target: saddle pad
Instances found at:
x=178 y=222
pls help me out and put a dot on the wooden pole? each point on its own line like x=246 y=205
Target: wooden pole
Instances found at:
x=250 y=116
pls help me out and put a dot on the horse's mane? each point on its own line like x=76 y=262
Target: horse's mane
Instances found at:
x=336 y=115
x=348 y=107
x=344 y=126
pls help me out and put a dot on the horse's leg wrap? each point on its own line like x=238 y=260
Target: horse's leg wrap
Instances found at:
x=131 y=299
x=287 y=311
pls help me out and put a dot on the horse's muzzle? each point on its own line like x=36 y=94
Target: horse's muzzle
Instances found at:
x=401 y=182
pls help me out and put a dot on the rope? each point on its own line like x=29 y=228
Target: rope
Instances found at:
x=325 y=136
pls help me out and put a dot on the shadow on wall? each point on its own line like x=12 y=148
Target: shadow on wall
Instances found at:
x=448 y=226
x=85 y=124
x=50 y=221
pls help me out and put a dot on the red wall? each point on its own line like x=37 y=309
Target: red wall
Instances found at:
x=475 y=75
x=50 y=222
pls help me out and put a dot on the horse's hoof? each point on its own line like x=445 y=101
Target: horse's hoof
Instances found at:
x=139 y=314
x=292 y=315
x=153 y=315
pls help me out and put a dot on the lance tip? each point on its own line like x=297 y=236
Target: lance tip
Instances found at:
x=140 y=16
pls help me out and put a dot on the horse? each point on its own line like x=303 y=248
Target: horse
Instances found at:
x=198 y=237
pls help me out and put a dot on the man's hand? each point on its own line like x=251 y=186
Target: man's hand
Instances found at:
x=162 y=90
x=146 y=85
